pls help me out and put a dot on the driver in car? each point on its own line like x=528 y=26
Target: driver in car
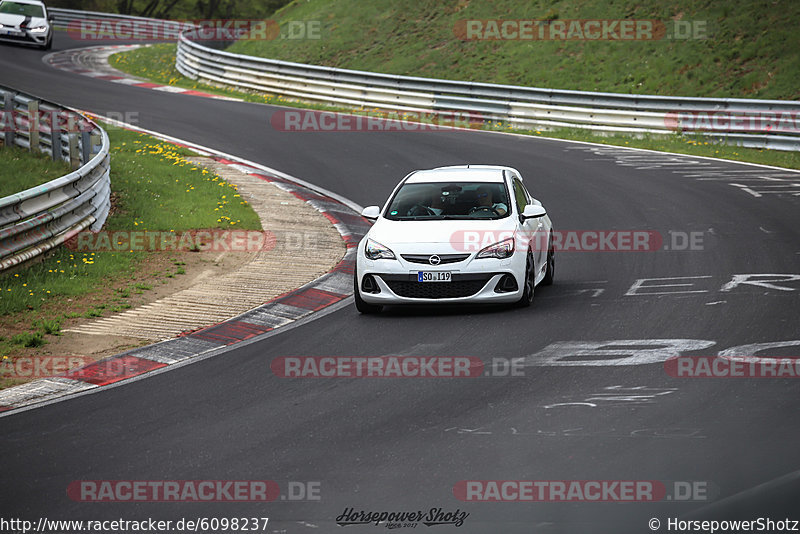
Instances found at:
x=485 y=201
x=429 y=203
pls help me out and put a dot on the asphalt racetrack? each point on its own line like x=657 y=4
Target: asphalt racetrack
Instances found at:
x=593 y=402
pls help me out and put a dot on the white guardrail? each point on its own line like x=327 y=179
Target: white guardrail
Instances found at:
x=776 y=123
x=43 y=217
x=63 y=17
x=771 y=124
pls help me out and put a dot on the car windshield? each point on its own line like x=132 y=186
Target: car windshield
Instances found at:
x=449 y=200
x=26 y=10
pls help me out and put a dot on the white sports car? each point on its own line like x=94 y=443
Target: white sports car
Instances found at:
x=27 y=22
x=468 y=233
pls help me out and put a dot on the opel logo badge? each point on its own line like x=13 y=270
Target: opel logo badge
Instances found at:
x=435 y=260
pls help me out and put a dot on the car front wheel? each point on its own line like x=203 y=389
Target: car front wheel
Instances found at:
x=528 y=286
x=550 y=272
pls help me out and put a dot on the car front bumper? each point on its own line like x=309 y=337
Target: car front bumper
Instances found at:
x=24 y=37
x=473 y=280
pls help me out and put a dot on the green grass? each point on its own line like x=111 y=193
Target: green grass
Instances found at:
x=47 y=326
x=28 y=339
x=156 y=62
x=155 y=189
x=750 y=51
x=21 y=170
x=161 y=191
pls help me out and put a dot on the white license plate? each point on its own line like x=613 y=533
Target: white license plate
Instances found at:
x=434 y=276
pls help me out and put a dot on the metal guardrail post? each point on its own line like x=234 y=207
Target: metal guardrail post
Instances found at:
x=74 y=155
x=86 y=147
x=8 y=98
x=33 y=126
x=55 y=144
x=95 y=144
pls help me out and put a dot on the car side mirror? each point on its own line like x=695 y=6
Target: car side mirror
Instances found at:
x=533 y=211
x=371 y=212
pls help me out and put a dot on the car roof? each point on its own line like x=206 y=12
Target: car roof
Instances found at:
x=459 y=173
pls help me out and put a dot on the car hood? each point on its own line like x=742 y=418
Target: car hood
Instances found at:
x=8 y=19
x=390 y=233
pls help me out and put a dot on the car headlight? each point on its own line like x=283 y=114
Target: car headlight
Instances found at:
x=375 y=251
x=38 y=29
x=503 y=249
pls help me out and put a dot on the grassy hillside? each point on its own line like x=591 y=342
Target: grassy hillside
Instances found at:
x=751 y=49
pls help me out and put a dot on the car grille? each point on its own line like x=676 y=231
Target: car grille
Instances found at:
x=425 y=258
x=18 y=38
x=437 y=290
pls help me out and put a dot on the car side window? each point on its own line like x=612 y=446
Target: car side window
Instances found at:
x=519 y=193
x=531 y=200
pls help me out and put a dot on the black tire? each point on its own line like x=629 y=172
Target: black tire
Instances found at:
x=528 y=284
x=362 y=306
x=48 y=44
x=550 y=272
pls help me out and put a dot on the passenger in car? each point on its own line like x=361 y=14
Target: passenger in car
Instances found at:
x=485 y=199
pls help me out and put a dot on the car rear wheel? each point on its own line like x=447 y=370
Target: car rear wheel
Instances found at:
x=361 y=306
x=527 y=289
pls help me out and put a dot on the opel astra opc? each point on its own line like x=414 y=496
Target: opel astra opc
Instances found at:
x=467 y=233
